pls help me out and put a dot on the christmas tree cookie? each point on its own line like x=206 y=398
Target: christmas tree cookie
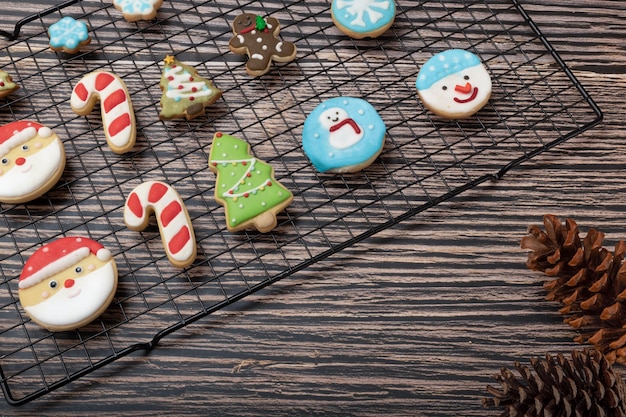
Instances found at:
x=245 y=186
x=185 y=93
x=7 y=86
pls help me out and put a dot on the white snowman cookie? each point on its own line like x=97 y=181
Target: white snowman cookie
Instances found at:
x=32 y=160
x=68 y=283
x=343 y=134
x=454 y=84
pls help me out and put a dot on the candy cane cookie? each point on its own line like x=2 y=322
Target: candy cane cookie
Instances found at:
x=172 y=217
x=116 y=108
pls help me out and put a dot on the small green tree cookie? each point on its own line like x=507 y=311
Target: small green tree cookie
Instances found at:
x=7 y=86
x=245 y=186
x=185 y=93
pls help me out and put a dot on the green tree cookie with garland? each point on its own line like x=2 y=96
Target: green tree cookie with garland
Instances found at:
x=245 y=186
x=185 y=93
x=7 y=86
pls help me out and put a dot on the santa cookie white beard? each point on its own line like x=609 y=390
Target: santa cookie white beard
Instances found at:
x=68 y=283
x=32 y=160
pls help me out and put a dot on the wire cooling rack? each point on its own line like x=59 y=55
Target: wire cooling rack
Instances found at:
x=536 y=104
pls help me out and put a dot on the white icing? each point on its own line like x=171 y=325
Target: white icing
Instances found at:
x=73 y=305
x=241 y=38
x=54 y=267
x=17 y=139
x=258 y=56
x=180 y=86
x=359 y=8
x=40 y=167
x=279 y=47
x=345 y=136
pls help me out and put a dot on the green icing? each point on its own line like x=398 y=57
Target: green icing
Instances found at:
x=245 y=185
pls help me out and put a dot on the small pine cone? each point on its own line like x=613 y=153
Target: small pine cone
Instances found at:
x=587 y=279
x=584 y=386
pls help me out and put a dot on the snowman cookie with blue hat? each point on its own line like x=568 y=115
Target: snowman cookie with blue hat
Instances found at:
x=454 y=84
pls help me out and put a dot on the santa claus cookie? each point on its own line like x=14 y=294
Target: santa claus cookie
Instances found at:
x=343 y=134
x=68 y=283
x=454 y=84
x=32 y=160
x=258 y=37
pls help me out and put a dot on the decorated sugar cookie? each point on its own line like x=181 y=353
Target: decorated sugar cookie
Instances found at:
x=172 y=217
x=185 y=93
x=7 y=86
x=68 y=35
x=363 y=18
x=343 y=134
x=68 y=283
x=32 y=159
x=454 y=84
x=245 y=186
x=116 y=109
x=134 y=10
x=258 y=38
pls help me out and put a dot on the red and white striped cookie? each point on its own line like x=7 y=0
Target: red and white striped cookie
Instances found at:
x=172 y=217
x=116 y=108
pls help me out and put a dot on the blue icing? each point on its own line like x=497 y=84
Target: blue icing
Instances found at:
x=135 y=6
x=321 y=148
x=443 y=64
x=68 y=33
x=363 y=15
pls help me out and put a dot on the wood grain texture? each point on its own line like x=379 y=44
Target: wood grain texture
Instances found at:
x=415 y=320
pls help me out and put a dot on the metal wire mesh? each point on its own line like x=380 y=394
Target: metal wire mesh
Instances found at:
x=536 y=104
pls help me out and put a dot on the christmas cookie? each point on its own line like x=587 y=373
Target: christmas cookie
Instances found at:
x=32 y=159
x=343 y=134
x=172 y=217
x=116 y=108
x=363 y=18
x=7 y=86
x=68 y=283
x=245 y=186
x=185 y=93
x=134 y=10
x=454 y=84
x=68 y=35
x=258 y=38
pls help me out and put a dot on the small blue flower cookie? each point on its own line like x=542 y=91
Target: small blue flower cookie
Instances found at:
x=454 y=84
x=343 y=134
x=68 y=35
x=363 y=18
x=134 y=10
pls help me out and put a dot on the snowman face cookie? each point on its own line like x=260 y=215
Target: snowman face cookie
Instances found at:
x=68 y=283
x=343 y=134
x=32 y=159
x=454 y=84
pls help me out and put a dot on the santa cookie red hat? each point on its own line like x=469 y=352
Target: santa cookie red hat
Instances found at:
x=17 y=133
x=58 y=255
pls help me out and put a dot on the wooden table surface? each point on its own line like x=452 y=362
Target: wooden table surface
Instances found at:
x=416 y=320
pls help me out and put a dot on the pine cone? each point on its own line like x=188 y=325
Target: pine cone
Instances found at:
x=584 y=386
x=589 y=282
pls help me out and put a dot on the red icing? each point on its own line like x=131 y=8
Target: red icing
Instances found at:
x=218 y=134
x=344 y=122
x=103 y=80
x=81 y=91
x=9 y=130
x=170 y=212
x=20 y=161
x=179 y=240
x=157 y=191
x=134 y=204
x=470 y=98
x=69 y=283
x=119 y=124
x=114 y=99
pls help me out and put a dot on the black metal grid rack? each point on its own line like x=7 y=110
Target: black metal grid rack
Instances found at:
x=536 y=104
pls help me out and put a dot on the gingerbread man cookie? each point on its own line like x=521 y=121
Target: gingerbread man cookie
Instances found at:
x=68 y=283
x=258 y=38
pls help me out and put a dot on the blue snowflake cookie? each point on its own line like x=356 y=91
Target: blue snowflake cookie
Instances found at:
x=363 y=18
x=68 y=35
x=343 y=134
x=134 y=10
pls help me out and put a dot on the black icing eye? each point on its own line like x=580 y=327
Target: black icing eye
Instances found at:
x=24 y=147
x=444 y=88
x=466 y=77
x=78 y=270
x=4 y=161
x=53 y=284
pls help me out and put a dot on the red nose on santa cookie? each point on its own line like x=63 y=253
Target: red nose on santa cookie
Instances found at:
x=68 y=283
x=32 y=159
